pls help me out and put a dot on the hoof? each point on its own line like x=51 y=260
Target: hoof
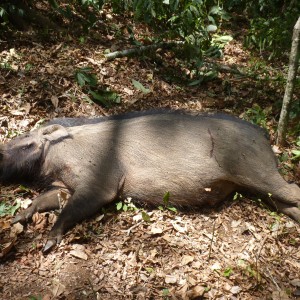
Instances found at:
x=18 y=218
x=49 y=245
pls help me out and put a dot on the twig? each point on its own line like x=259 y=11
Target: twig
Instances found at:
x=257 y=258
x=92 y=287
x=132 y=227
x=225 y=68
x=273 y=280
x=212 y=239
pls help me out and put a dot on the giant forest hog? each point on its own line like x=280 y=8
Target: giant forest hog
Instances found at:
x=199 y=159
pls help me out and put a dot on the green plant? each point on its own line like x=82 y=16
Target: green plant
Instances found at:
x=86 y=10
x=257 y=115
x=190 y=20
x=9 y=209
x=126 y=205
x=149 y=270
x=3 y=16
x=271 y=23
x=237 y=196
x=165 y=292
x=140 y=87
x=227 y=272
x=84 y=76
x=145 y=217
x=296 y=152
x=248 y=270
x=166 y=204
x=105 y=97
x=89 y=82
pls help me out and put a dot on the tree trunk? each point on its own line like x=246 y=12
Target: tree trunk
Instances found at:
x=288 y=94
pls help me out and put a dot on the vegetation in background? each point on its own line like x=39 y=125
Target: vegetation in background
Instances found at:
x=271 y=23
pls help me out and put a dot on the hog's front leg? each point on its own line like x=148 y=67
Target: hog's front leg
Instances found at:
x=47 y=201
x=83 y=204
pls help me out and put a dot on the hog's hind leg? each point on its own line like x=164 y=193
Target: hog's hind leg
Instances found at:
x=283 y=196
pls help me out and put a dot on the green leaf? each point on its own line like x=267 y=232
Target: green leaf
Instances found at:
x=145 y=216
x=171 y=208
x=24 y=188
x=236 y=196
x=195 y=82
x=211 y=28
x=140 y=87
x=98 y=97
x=215 y=10
x=149 y=270
x=80 y=79
x=14 y=208
x=2 y=209
x=223 y=39
x=105 y=97
x=296 y=154
x=85 y=77
x=85 y=69
x=227 y=272
x=119 y=205
x=166 y=198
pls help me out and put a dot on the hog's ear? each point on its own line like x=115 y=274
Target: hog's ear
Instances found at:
x=55 y=133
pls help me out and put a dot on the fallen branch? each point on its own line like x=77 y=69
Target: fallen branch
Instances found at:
x=225 y=68
x=142 y=49
x=168 y=45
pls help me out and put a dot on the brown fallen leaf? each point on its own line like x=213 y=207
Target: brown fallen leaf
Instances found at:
x=39 y=221
x=295 y=282
x=16 y=229
x=235 y=290
x=5 y=248
x=171 y=279
x=179 y=228
x=186 y=259
x=58 y=288
x=280 y=295
x=5 y=224
x=54 y=101
x=195 y=292
x=156 y=230
x=128 y=91
x=79 y=252
x=47 y=297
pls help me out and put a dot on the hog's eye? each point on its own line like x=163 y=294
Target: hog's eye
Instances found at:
x=27 y=146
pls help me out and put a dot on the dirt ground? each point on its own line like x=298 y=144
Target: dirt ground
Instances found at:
x=241 y=250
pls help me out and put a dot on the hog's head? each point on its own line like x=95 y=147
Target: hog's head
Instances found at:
x=21 y=159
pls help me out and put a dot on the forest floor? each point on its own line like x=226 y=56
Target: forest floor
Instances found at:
x=241 y=250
